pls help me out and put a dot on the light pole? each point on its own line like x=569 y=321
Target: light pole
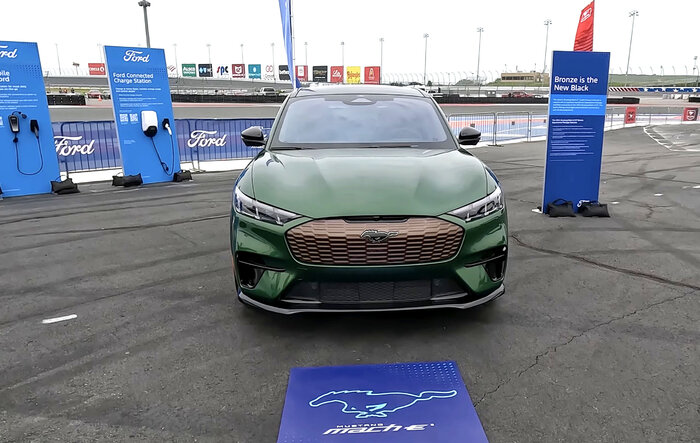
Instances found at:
x=242 y=62
x=695 y=68
x=632 y=14
x=177 y=68
x=381 y=58
x=145 y=4
x=58 y=59
x=480 y=30
x=76 y=65
x=274 y=77
x=342 y=58
x=546 y=43
x=425 y=59
x=306 y=54
x=209 y=52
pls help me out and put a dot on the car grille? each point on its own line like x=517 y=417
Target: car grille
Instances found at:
x=349 y=242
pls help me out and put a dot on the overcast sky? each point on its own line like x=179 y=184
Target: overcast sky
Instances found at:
x=666 y=32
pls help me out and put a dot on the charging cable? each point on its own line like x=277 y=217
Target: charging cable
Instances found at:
x=34 y=127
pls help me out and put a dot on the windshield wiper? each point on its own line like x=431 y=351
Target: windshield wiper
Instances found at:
x=391 y=146
x=288 y=148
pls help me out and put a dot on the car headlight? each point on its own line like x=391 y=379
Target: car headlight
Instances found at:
x=481 y=208
x=260 y=211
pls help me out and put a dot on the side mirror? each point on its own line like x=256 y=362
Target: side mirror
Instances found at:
x=469 y=136
x=253 y=136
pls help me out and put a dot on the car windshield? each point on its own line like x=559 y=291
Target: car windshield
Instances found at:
x=361 y=120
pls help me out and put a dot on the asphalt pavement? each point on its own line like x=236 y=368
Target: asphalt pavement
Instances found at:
x=596 y=339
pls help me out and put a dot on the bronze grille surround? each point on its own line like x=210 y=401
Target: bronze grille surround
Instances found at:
x=337 y=242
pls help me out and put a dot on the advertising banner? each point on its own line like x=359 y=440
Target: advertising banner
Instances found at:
x=138 y=79
x=283 y=72
x=254 y=71
x=320 y=74
x=584 y=32
x=372 y=75
x=578 y=98
x=96 y=68
x=86 y=146
x=269 y=72
x=402 y=402
x=303 y=73
x=205 y=70
x=222 y=71
x=690 y=114
x=353 y=74
x=286 y=15
x=189 y=70
x=630 y=115
x=238 y=70
x=28 y=160
x=336 y=74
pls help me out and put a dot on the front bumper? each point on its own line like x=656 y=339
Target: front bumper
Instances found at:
x=268 y=276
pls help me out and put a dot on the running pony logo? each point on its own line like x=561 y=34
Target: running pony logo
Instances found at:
x=366 y=404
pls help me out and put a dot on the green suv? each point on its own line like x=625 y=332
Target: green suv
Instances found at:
x=362 y=199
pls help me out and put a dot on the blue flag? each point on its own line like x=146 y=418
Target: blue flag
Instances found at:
x=285 y=12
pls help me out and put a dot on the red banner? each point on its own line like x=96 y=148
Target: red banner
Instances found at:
x=238 y=70
x=96 y=68
x=302 y=73
x=372 y=75
x=690 y=114
x=336 y=74
x=584 y=33
x=631 y=115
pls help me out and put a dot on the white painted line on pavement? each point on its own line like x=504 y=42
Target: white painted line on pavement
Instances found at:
x=57 y=319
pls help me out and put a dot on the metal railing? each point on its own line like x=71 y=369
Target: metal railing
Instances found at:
x=501 y=127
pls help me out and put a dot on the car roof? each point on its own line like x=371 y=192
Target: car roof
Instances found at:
x=358 y=89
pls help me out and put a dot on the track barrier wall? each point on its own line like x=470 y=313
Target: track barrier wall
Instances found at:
x=93 y=146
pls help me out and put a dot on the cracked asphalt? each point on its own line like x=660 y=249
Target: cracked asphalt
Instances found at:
x=596 y=339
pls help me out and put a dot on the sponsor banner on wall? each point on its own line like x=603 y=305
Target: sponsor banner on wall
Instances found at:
x=372 y=75
x=86 y=146
x=269 y=72
x=222 y=71
x=303 y=73
x=96 y=69
x=254 y=71
x=320 y=74
x=189 y=70
x=336 y=74
x=392 y=403
x=205 y=70
x=690 y=114
x=238 y=70
x=353 y=74
x=283 y=72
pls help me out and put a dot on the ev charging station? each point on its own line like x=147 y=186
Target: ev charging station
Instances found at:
x=28 y=161
x=143 y=112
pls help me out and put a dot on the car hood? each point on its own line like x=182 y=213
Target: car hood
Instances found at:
x=368 y=181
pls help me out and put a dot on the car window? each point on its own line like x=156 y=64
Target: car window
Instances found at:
x=361 y=119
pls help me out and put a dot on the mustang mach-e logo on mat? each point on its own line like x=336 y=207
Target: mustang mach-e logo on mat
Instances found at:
x=135 y=56
x=365 y=404
x=7 y=54
x=375 y=236
x=373 y=428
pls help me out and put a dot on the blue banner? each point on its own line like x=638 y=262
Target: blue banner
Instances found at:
x=286 y=14
x=138 y=79
x=90 y=146
x=254 y=71
x=577 y=101
x=403 y=402
x=27 y=158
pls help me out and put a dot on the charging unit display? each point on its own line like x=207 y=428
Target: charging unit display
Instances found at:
x=143 y=112
x=28 y=159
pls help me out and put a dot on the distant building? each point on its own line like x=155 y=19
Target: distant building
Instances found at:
x=524 y=77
